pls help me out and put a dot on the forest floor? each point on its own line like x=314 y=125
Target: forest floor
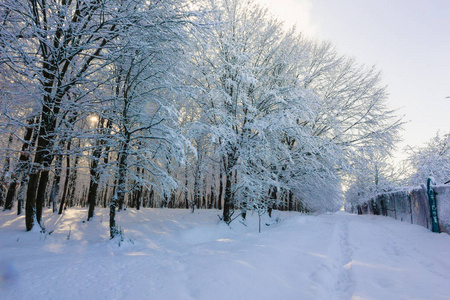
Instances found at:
x=174 y=254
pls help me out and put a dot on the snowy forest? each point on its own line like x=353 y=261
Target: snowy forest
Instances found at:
x=208 y=104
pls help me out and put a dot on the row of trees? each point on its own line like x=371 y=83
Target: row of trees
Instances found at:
x=177 y=103
x=379 y=176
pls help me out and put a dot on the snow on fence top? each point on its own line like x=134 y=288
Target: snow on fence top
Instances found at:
x=410 y=204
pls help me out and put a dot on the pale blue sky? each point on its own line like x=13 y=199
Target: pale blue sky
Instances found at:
x=408 y=40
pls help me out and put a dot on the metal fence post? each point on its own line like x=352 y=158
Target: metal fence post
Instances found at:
x=433 y=209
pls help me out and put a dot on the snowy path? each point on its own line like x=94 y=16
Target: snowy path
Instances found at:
x=178 y=255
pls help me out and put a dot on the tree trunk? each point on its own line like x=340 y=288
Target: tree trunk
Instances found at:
x=94 y=167
x=151 y=198
x=40 y=196
x=72 y=183
x=138 y=198
x=227 y=203
x=213 y=191
x=93 y=187
x=66 y=180
x=56 y=182
x=2 y=192
x=186 y=186
x=228 y=200
x=30 y=205
x=272 y=199
x=21 y=194
x=204 y=196
x=119 y=196
x=10 y=195
x=138 y=191
x=112 y=216
x=219 y=197
x=6 y=170
x=121 y=182
x=43 y=158
x=22 y=169
x=291 y=201
x=93 y=183
x=197 y=185
x=105 y=195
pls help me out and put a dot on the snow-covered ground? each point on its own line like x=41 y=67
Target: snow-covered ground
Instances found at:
x=174 y=254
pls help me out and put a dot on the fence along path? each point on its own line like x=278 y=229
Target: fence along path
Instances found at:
x=411 y=205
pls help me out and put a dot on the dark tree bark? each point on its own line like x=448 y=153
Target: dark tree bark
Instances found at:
x=95 y=172
x=10 y=195
x=186 y=187
x=64 y=60
x=56 y=182
x=228 y=202
x=219 y=197
x=151 y=198
x=66 y=180
x=290 y=201
x=59 y=161
x=105 y=196
x=204 y=195
x=6 y=169
x=93 y=185
x=213 y=203
x=72 y=186
x=119 y=196
x=138 y=190
x=197 y=185
x=20 y=169
x=272 y=199
x=42 y=160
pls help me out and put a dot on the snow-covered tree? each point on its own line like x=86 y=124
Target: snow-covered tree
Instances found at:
x=432 y=160
x=288 y=116
x=143 y=114
x=70 y=52
x=372 y=174
x=242 y=83
x=353 y=112
x=56 y=45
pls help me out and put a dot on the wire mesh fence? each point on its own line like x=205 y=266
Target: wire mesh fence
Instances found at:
x=411 y=205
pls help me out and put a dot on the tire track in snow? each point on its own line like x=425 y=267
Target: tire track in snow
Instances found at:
x=334 y=272
x=344 y=284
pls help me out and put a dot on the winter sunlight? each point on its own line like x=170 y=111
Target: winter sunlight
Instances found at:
x=224 y=149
